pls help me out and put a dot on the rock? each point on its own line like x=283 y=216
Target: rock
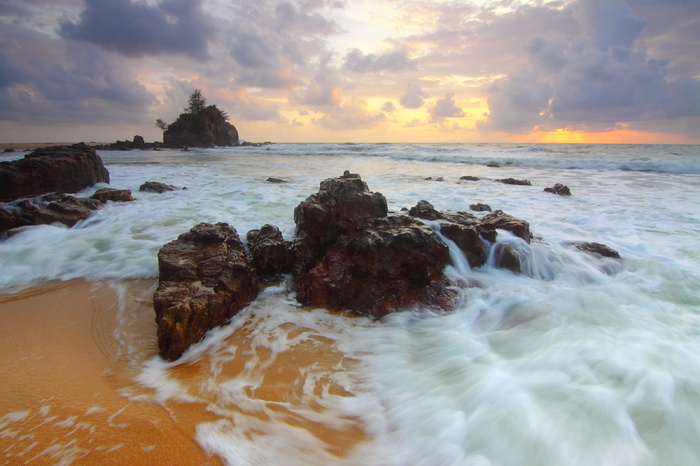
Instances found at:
x=272 y=255
x=205 y=278
x=467 y=239
x=559 y=189
x=597 y=249
x=515 y=182
x=8 y=221
x=207 y=128
x=480 y=207
x=493 y=164
x=114 y=195
x=426 y=211
x=508 y=256
x=342 y=205
x=156 y=187
x=68 y=210
x=64 y=169
x=8 y=150
x=501 y=221
x=469 y=178
x=394 y=263
x=275 y=180
x=138 y=141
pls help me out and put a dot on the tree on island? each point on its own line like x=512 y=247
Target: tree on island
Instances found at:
x=199 y=126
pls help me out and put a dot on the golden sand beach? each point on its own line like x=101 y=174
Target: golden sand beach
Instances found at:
x=72 y=351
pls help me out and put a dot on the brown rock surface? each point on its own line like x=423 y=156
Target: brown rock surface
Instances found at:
x=502 y=221
x=272 y=254
x=205 y=278
x=157 y=187
x=114 y=195
x=63 y=169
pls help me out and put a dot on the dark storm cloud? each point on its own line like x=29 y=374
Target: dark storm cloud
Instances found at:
x=136 y=30
x=48 y=81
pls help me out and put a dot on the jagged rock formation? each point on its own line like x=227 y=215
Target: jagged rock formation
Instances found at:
x=205 y=278
x=207 y=128
x=559 y=189
x=61 y=169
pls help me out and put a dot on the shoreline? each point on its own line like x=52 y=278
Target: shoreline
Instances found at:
x=75 y=354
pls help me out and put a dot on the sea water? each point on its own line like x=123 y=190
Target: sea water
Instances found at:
x=580 y=360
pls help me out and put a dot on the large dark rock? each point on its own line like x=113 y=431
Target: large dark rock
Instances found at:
x=63 y=169
x=515 y=182
x=341 y=205
x=208 y=128
x=272 y=254
x=394 y=263
x=205 y=278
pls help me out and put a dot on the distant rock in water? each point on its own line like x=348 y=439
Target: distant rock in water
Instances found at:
x=207 y=128
x=136 y=143
x=206 y=277
x=479 y=207
x=275 y=180
x=469 y=178
x=559 y=189
x=515 y=182
x=597 y=249
x=114 y=195
x=62 y=169
x=157 y=187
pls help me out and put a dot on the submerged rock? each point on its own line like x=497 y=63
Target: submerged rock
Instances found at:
x=559 y=189
x=205 y=278
x=114 y=195
x=515 y=182
x=597 y=249
x=67 y=210
x=157 y=187
x=62 y=169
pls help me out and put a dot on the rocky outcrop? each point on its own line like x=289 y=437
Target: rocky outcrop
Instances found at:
x=502 y=221
x=67 y=210
x=137 y=143
x=157 y=187
x=62 y=169
x=559 y=189
x=207 y=128
x=205 y=278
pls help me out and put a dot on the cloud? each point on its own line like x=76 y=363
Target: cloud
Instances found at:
x=413 y=98
x=351 y=115
x=48 y=81
x=248 y=108
x=591 y=80
x=263 y=61
x=445 y=108
x=324 y=90
x=394 y=61
x=137 y=30
x=388 y=107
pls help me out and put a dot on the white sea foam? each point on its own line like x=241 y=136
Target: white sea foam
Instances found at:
x=581 y=360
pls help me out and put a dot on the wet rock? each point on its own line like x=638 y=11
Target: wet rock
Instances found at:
x=157 y=187
x=114 y=195
x=275 y=180
x=272 y=255
x=396 y=262
x=68 y=210
x=63 y=169
x=9 y=221
x=479 y=207
x=469 y=178
x=508 y=256
x=341 y=205
x=559 y=189
x=425 y=210
x=468 y=240
x=597 y=249
x=502 y=221
x=515 y=182
x=205 y=278
x=493 y=164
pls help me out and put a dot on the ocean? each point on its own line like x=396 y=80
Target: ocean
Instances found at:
x=579 y=361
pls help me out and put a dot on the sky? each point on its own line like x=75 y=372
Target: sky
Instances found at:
x=580 y=71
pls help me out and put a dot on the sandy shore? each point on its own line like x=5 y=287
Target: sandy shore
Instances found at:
x=72 y=352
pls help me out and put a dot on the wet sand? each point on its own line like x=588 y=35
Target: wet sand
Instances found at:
x=71 y=352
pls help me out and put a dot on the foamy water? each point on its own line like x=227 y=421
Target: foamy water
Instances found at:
x=580 y=360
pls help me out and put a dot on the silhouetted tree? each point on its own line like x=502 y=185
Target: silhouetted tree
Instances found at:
x=161 y=124
x=197 y=102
